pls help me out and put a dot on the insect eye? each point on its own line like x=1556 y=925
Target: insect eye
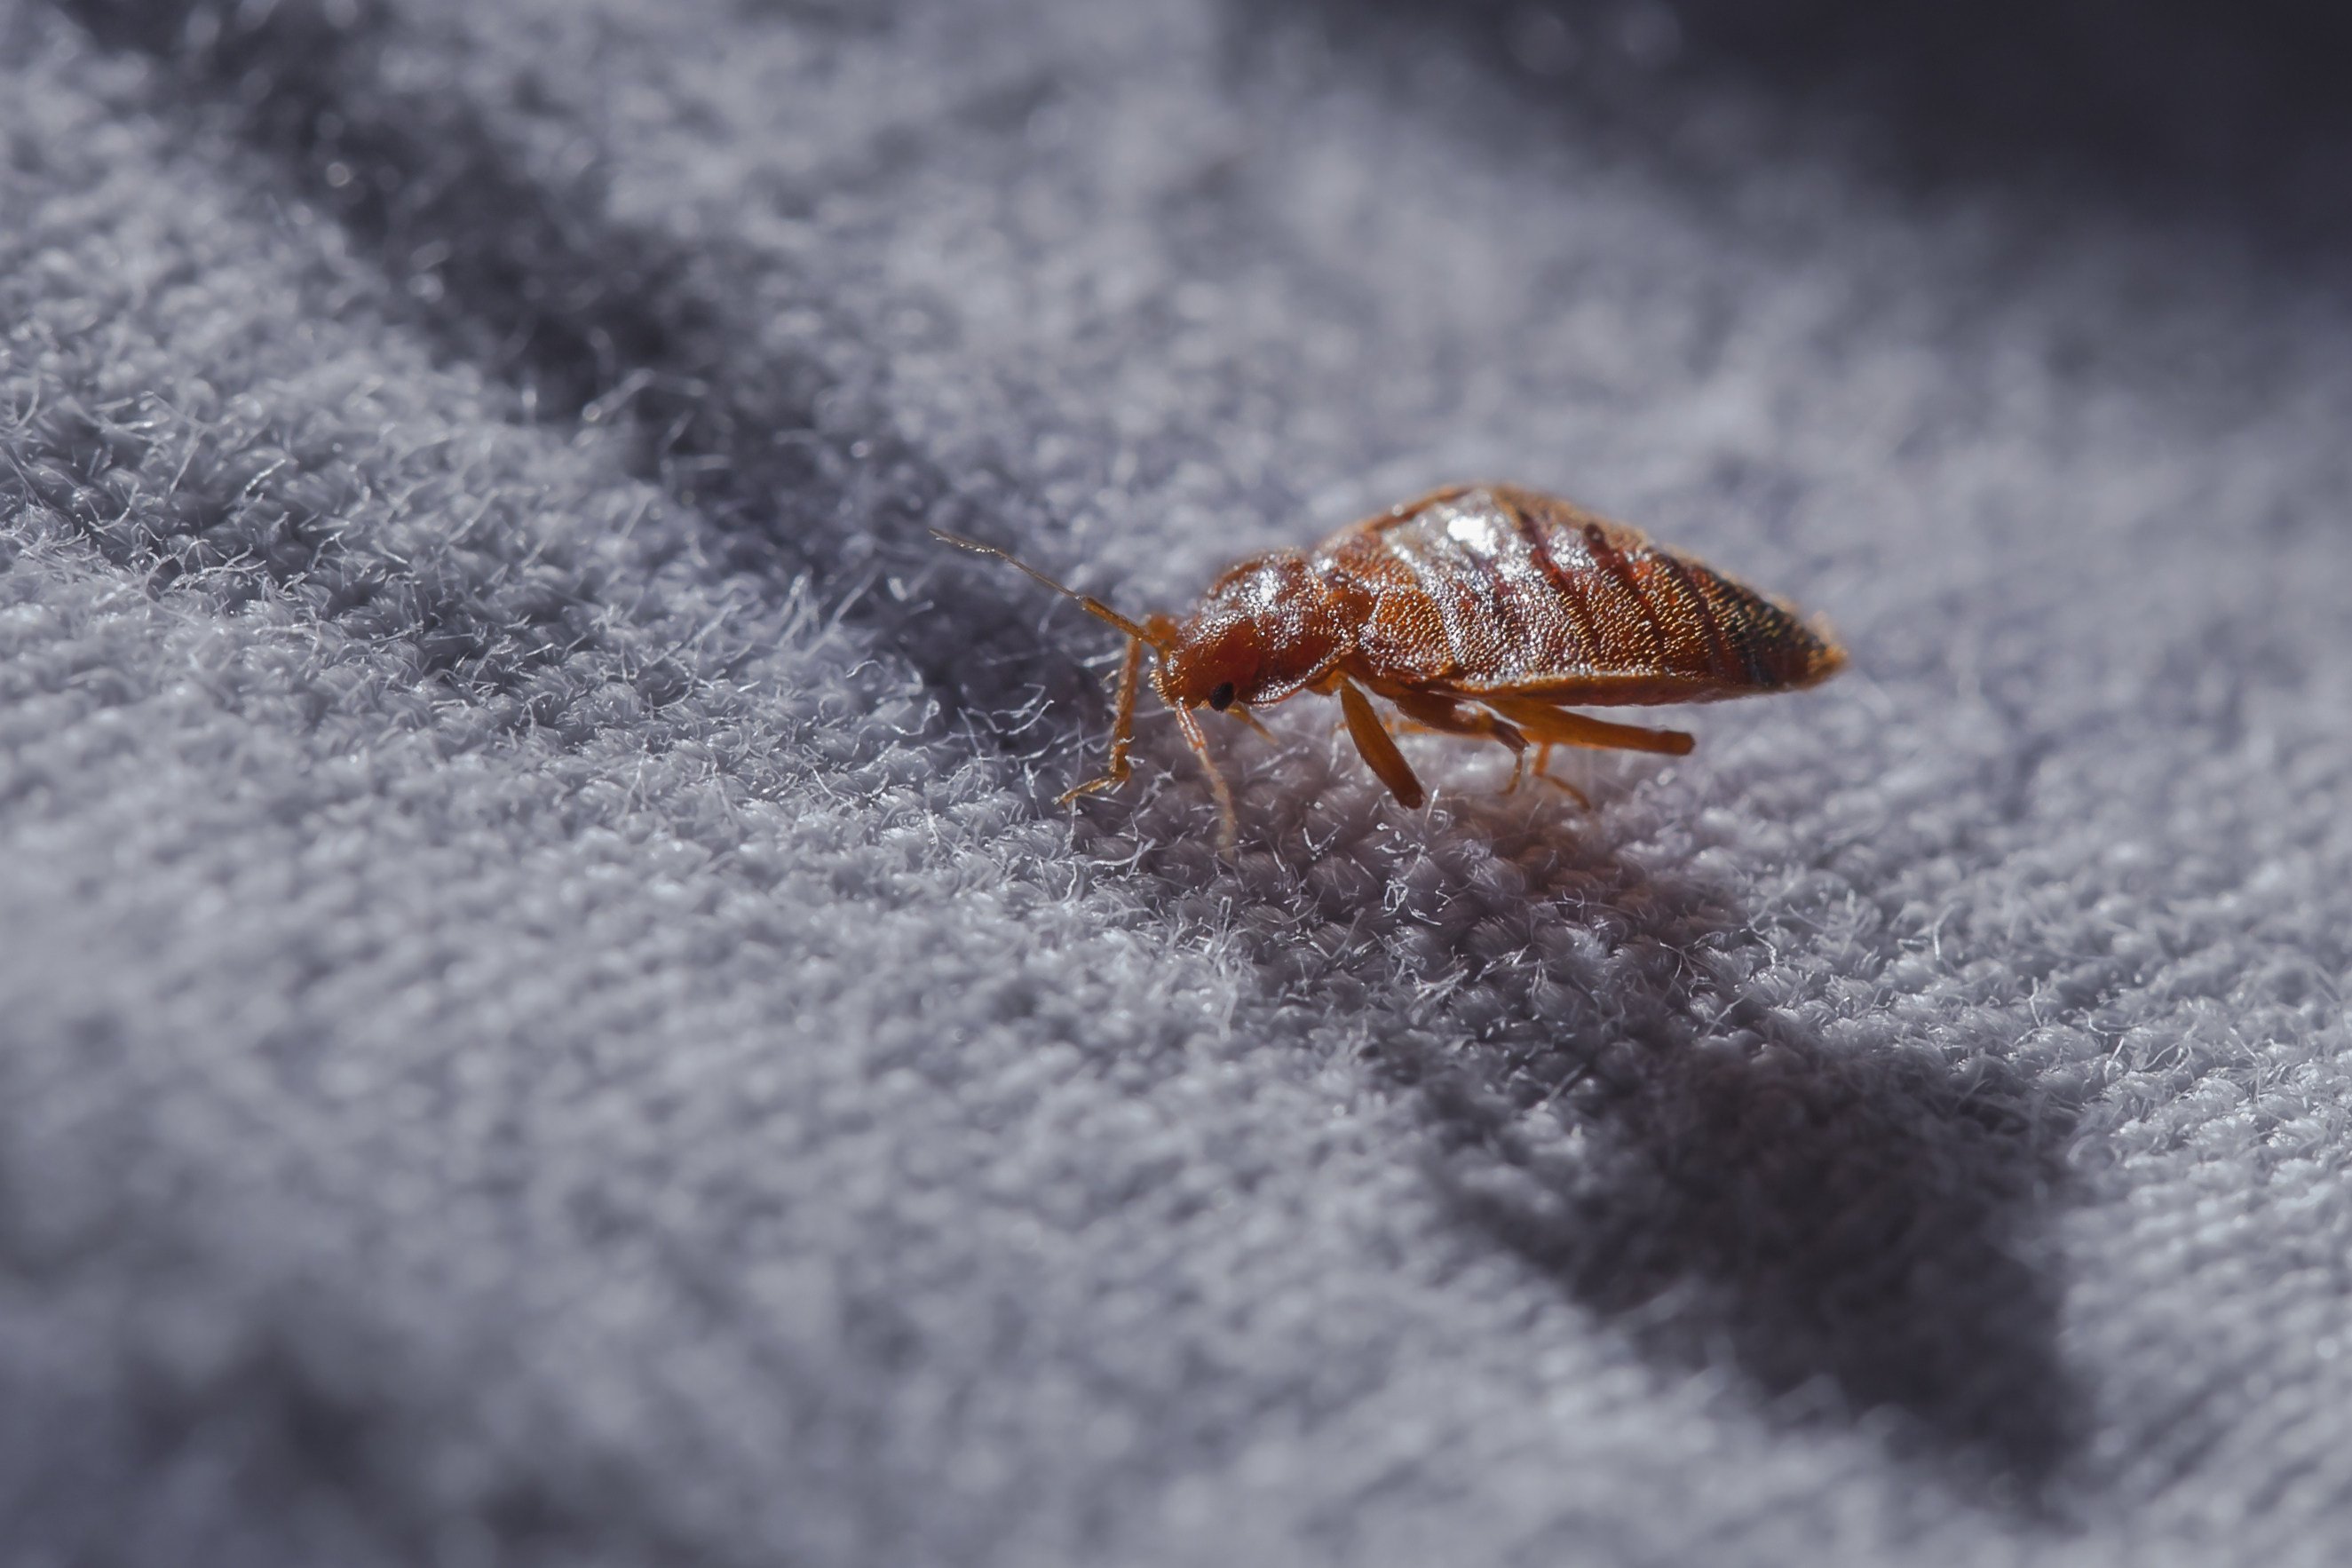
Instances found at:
x=1222 y=697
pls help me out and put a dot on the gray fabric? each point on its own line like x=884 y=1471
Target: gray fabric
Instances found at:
x=550 y=1014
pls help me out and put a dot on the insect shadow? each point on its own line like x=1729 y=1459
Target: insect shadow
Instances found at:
x=1860 y=1237
x=1859 y=1227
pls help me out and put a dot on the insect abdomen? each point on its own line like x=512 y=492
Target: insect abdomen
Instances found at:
x=1492 y=588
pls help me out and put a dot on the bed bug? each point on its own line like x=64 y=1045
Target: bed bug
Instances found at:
x=1481 y=610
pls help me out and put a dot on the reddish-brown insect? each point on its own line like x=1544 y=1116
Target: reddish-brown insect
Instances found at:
x=1481 y=610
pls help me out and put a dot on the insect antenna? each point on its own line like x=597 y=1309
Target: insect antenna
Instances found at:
x=1093 y=605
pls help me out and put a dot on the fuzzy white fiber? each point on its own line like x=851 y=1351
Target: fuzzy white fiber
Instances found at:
x=547 y=1015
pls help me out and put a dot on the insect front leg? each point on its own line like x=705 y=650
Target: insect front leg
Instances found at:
x=1228 y=821
x=1122 y=729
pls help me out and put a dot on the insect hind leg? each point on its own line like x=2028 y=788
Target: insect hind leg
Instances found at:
x=1445 y=716
x=1548 y=723
x=1540 y=768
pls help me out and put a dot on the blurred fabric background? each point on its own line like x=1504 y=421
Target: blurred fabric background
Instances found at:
x=546 y=1013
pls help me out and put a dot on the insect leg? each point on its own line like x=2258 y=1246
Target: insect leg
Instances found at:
x=1122 y=730
x=1543 y=761
x=1228 y=822
x=1521 y=769
x=1378 y=751
x=1544 y=721
x=1240 y=712
x=1451 y=718
x=1448 y=717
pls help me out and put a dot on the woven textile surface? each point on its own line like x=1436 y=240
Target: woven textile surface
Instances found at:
x=547 y=1015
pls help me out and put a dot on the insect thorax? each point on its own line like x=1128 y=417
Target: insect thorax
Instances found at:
x=1266 y=628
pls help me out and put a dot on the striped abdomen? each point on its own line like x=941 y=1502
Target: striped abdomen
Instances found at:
x=1489 y=589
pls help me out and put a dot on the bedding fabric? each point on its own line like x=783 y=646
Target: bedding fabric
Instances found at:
x=548 y=1014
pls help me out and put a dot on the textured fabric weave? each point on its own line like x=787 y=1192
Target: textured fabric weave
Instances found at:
x=547 y=1015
